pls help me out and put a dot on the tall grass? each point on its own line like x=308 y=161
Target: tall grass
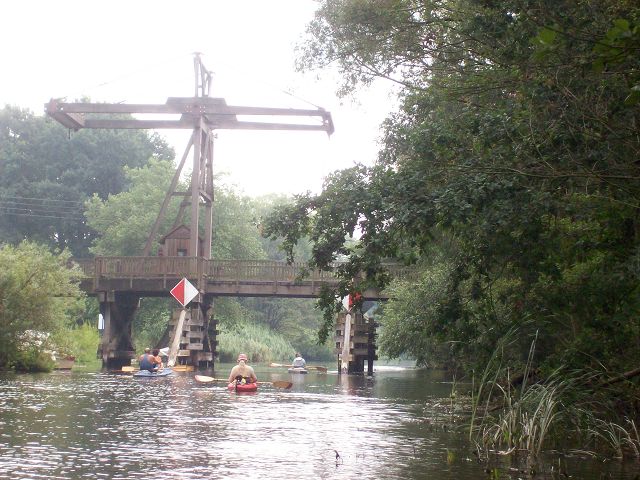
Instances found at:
x=561 y=409
x=83 y=342
x=259 y=342
x=623 y=441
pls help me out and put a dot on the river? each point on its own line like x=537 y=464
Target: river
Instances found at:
x=396 y=425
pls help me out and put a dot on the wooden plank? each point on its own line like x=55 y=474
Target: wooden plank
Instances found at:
x=69 y=120
x=175 y=343
x=138 y=124
x=344 y=357
x=203 y=356
x=195 y=346
x=360 y=338
x=115 y=108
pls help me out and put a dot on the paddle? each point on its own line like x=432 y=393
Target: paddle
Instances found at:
x=308 y=367
x=277 y=383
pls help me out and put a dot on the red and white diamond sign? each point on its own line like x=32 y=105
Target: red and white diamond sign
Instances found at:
x=184 y=292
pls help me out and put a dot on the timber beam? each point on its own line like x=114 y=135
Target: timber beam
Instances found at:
x=188 y=111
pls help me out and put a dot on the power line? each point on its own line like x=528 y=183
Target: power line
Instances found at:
x=30 y=214
x=16 y=206
x=77 y=202
x=39 y=206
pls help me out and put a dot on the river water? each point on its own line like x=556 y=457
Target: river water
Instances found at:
x=396 y=425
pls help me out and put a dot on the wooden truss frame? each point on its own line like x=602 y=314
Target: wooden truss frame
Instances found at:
x=202 y=114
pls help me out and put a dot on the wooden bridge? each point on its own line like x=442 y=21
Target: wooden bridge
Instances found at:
x=156 y=276
x=120 y=282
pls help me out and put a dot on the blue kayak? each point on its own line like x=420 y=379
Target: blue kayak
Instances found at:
x=148 y=374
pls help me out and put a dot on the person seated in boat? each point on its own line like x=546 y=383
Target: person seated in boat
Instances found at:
x=147 y=361
x=242 y=372
x=157 y=360
x=299 y=362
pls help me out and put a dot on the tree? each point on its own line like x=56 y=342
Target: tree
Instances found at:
x=517 y=140
x=123 y=221
x=48 y=174
x=39 y=293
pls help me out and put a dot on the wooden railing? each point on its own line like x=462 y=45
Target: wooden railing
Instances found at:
x=221 y=270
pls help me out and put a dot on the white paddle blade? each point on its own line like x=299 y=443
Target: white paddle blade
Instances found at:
x=204 y=379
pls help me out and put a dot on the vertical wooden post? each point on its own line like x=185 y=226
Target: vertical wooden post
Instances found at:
x=195 y=193
x=208 y=220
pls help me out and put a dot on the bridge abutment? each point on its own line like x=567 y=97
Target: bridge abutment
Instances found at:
x=198 y=334
x=355 y=342
x=118 y=309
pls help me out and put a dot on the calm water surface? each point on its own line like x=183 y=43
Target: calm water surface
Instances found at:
x=101 y=425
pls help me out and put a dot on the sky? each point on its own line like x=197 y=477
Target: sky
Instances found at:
x=141 y=51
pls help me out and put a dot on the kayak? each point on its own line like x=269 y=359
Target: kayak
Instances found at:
x=148 y=374
x=298 y=370
x=243 y=387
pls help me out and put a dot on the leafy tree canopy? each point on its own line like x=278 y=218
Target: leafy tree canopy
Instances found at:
x=39 y=293
x=509 y=176
x=48 y=174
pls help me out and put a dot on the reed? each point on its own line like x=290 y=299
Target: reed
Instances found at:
x=515 y=419
x=259 y=342
x=622 y=440
x=567 y=408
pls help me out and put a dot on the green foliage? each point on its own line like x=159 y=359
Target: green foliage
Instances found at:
x=31 y=359
x=80 y=341
x=297 y=320
x=257 y=341
x=151 y=321
x=235 y=233
x=47 y=175
x=509 y=176
x=38 y=293
x=421 y=317
x=124 y=220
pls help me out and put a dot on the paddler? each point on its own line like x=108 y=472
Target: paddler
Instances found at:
x=242 y=372
x=299 y=362
x=147 y=361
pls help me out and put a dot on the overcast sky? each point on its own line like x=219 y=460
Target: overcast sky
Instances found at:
x=142 y=52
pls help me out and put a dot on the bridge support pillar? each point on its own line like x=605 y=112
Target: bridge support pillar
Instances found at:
x=355 y=342
x=116 y=348
x=198 y=342
x=209 y=351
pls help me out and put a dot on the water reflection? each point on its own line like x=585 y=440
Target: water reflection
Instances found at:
x=326 y=426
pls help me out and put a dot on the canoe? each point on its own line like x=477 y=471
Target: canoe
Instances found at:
x=148 y=374
x=297 y=370
x=243 y=387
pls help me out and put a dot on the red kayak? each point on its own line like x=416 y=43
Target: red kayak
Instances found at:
x=243 y=387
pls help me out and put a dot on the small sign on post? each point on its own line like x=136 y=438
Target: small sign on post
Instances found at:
x=184 y=292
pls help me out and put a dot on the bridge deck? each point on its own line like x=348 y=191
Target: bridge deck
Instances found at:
x=156 y=276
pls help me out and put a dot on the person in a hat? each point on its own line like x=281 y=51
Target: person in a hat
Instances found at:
x=242 y=372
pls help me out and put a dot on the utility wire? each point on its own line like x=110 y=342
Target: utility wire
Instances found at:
x=34 y=206
x=77 y=202
x=16 y=206
x=24 y=214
